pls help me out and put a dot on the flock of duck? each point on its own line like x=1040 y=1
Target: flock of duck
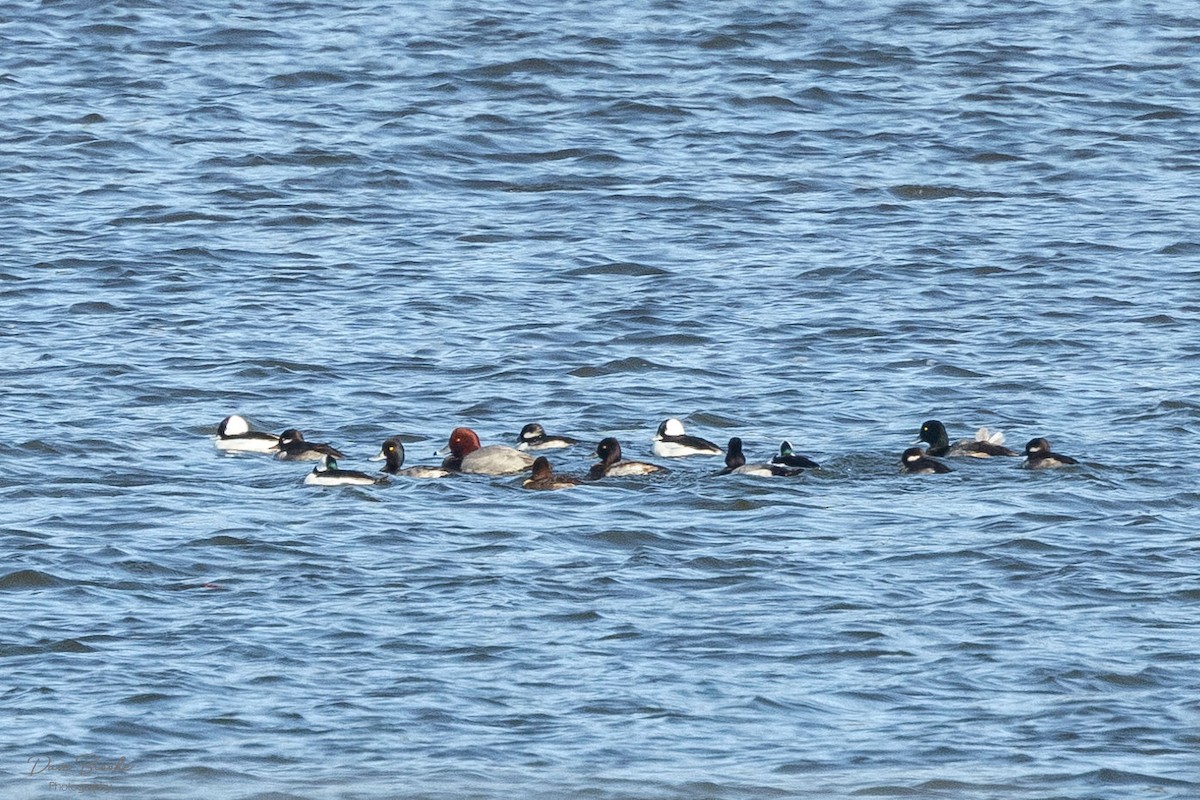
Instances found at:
x=464 y=454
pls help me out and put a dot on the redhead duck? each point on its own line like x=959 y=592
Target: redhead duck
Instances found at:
x=467 y=455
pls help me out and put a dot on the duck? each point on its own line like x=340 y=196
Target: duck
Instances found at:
x=671 y=442
x=1039 y=456
x=293 y=447
x=789 y=458
x=533 y=437
x=984 y=445
x=466 y=455
x=915 y=462
x=392 y=452
x=735 y=463
x=327 y=473
x=543 y=477
x=234 y=435
x=611 y=465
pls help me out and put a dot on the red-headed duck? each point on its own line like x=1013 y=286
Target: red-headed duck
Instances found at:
x=466 y=455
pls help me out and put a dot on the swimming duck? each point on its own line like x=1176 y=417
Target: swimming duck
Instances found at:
x=1039 y=456
x=611 y=465
x=234 y=435
x=789 y=458
x=392 y=451
x=327 y=473
x=533 y=437
x=466 y=455
x=915 y=462
x=671 y=442
x=543 y=477
x=735 y=463
x=984 y=445
x=293 y=447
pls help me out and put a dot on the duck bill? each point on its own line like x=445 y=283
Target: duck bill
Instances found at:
x=377 y=457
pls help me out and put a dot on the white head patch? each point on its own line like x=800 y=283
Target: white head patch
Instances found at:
x=672 y=427
x=236 y=426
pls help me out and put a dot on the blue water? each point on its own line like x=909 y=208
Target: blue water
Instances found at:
x=825 y=224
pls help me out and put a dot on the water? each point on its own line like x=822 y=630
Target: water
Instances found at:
x=825 y=224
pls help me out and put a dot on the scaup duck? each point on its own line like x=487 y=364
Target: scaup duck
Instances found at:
x=611 y=465
x=392 y=452
x=984 y=445
x=735 y=464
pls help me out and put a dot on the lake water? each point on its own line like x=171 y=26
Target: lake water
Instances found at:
x=824 y=223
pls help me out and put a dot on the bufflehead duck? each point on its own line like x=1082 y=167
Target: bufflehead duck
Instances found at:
x=292 y=447
x=1039 y=456
x=915 y=462
x=735 y=463
x=611 y=465
x=671 y=442
x=466 y=455
x=984 y=445
x=533 y=437
x=327 y=473
x=392 y=451
x=789 y=458
x=234 y=435
x=543 y=477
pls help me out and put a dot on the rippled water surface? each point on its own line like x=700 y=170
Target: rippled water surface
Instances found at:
x=825 y=223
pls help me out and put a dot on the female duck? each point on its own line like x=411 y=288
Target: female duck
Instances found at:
x=915 y=462
x=611 y=465
x=735 y=463
x=466 y=455
x=789 y=458
x=671 y=442
x=543 y=477
x=533 y=437
x=984 y=445
x=1039 y=456
x=234 y=435
x=327 y=474
x=392 y=452
x=292 y=447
